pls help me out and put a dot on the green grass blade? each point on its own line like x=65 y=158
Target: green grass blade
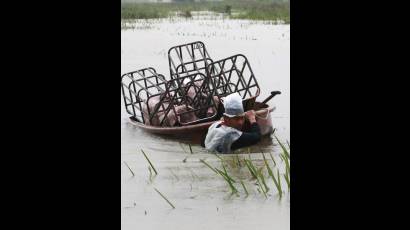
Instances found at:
x=152 y=166
x=280 y=186
x=270 y=171
x=220 y=158
x=286 y=176
x=250 y=168
x=190 y=149
x=262 y=177
x=253 y=168
x=264 y=158
x=283 y=147
x=229 y=180
x=281 y=157
x=254 y=172
x=150 y=173
x=222 y=162
x=275 y=181
x=224 y=174
x=272 y=158
x=201 y=160
x=129 y=168
x=259 y=170
x=267 y=166
x=287 y=182
x=164 y=198
x=244 y=188
x=264 y=192
x=261 y=188
x=182 y=147
x=239 y=162
x=223 y=166
x=233 y=188
x=286 y=160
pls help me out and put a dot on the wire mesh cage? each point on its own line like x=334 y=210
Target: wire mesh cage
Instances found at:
x=187 y=59
x=229 y=75
x=137 y=87
x=151 y=99
x=234 y=74
x=193 y=93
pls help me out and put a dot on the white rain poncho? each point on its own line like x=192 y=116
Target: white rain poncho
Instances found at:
x=220 y=139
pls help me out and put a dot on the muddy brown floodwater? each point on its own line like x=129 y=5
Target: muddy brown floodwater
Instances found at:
x=202 y=199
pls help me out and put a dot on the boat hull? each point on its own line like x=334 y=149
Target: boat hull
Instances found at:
x=262 y=117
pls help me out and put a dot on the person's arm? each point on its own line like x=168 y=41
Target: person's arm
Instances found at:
x=248 y=138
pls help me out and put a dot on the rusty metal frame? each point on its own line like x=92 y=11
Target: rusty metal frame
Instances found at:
x=190 y=66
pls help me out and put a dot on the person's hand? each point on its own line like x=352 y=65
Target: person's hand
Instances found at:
x=250 y=115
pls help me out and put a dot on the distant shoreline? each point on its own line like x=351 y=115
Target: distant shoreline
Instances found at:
x=240 y=9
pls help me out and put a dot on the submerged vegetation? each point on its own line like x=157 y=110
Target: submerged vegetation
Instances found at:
x=151 y=165
x=129 y=168
x=257 y=174
x=166 y=199
x=275 y=10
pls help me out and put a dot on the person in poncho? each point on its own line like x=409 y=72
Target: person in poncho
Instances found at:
x=225 y=135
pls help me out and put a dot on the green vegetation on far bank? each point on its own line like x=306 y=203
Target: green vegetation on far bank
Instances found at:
x=236 y=9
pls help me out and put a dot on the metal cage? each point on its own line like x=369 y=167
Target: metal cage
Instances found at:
x=194 y=90
x=187 y=59
x=234 y=74
x=151 y=99
x=137 y=87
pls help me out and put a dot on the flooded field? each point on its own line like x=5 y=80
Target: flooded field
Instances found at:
x=202 y=198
